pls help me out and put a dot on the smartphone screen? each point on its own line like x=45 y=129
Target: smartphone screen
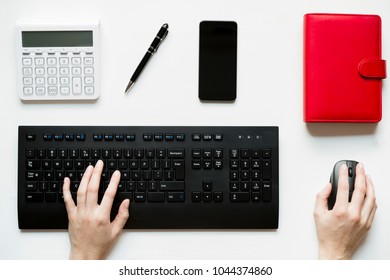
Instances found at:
x=217 y=60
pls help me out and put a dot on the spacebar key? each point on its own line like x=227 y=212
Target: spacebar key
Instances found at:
x=172 y=186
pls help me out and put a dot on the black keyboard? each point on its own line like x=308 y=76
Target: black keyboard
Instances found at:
x=175 y=177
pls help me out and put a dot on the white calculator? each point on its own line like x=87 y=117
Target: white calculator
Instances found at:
x=58 y=62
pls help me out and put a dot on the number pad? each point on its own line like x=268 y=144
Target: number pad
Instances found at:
x=250 y=175
x=63 y=75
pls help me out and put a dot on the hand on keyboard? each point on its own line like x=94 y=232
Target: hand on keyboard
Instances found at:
x=91 y=233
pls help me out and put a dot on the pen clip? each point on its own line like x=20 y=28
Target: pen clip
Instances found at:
x=162 y=34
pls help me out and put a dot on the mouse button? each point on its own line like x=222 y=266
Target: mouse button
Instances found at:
x=350 y=172
x=350 y=196
x=351 y=184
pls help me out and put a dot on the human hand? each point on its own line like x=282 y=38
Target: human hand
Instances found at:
x=341 y=229
x=92 y=235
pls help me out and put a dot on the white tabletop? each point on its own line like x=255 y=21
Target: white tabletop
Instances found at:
x=269 y=92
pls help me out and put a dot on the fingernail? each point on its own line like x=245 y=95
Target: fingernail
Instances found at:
x=344 y=166
x=99 y=163
x=127 y=203
x=361 y=165
x=116 y=173
x=66 y=180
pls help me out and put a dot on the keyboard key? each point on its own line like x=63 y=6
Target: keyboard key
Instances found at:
x=266 y=153
x=207 y=185
x=175 y=197
x=156 y=197
x=196 y=136
x=31 y=186
x=267 y=192
x=50 y=197
x=239 y=196
x=139 y=197
x=207 y=196
x=169 y=137
x=266 y=170
x=34 y=197
x=255 y=197
x=179 y=167
x=172 y=186
x=120 y=196
x=180 y=136
x=175 y=153
x=196 y=197
x=218 y=196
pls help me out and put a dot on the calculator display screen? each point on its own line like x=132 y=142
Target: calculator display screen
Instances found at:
x=40 y=39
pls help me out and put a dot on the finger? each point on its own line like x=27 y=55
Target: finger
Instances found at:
x=110 y=193
x=359 y=192
x=370 y=201
x=94 y=183
x=68 y=200
x=82 y=191
x=371 y=218
x=122 y=217
x=322 y=199
x=343 y=188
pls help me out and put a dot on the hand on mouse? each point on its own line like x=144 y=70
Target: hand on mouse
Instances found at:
x=91 y=233
x=341 y=229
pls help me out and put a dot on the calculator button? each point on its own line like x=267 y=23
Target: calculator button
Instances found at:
x=76 y=70
x=27 y=71
x=40 y=81
x=64 y=71
x=39 y=71
x=88 y=71
x=27 y=61
x=64 y=80
x=76 y=60
x=28 y=90
x=88 y=80
x=52 y=81
x=52 y=61
x=89 y=90
x=88 y=60
x=65 y=90
x=64 y=60
x=40 y=90
x=76 y=85
x=52 y=71
x=39 y=61
x=27 y=81
x=52 y=90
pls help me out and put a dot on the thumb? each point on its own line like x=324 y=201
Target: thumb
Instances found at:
x=122 y=217
x=322 y=199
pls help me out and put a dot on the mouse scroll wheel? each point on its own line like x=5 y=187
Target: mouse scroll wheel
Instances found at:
x=350 y=171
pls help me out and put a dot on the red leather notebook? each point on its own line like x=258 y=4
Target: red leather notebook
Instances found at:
x=343 y=68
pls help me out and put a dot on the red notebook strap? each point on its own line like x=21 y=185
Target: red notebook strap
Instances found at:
x=372 y=69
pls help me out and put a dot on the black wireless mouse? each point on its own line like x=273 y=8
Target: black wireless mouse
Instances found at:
x=334 y=179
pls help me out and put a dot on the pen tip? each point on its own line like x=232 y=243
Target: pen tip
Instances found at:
x=129 y=86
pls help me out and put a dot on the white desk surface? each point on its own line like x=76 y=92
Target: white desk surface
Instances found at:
x=269 y=77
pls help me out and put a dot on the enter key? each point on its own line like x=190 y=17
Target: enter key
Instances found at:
x=179 y=167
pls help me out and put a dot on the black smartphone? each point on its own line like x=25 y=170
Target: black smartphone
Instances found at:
x=217 y=60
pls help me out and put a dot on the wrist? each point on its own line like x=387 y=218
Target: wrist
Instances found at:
x=329 y=253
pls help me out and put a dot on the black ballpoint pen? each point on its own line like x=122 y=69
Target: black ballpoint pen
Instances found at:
x=162 y=33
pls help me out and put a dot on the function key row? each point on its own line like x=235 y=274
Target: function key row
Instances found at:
x=107 y=136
